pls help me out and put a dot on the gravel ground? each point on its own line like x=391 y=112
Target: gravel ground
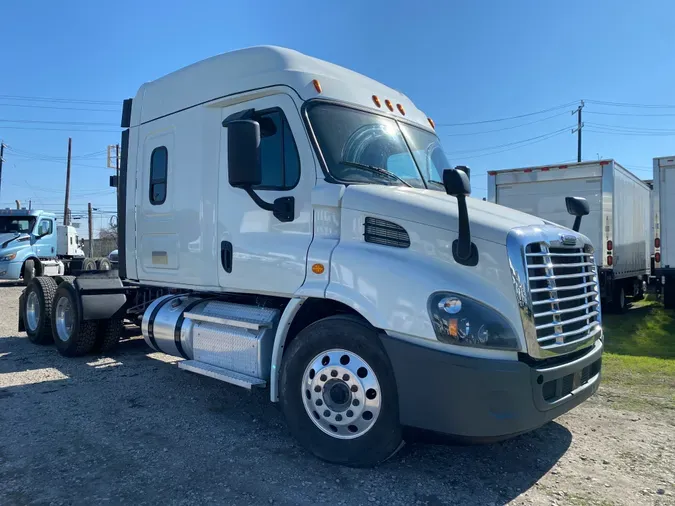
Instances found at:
x=133 y=428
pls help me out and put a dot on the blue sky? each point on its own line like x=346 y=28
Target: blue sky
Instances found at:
x=460 y=62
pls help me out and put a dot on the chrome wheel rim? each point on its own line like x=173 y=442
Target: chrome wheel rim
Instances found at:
x=341 y=394
x=32 y=311
x=64 y=319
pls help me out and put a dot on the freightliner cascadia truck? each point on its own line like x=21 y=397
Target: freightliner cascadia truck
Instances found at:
x=289 y=224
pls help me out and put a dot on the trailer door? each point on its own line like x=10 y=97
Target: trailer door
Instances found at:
x=667 y=196
x=546 y=200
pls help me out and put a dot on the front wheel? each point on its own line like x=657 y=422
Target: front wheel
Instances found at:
x=338 y=393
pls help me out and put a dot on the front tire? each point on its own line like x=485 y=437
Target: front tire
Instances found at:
x=72 y=336
x=37 y=309
x=338 y=393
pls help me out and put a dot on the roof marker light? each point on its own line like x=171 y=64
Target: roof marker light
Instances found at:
x=400 y=109
x=431 y=122
x=376 y=100
x=389 y=105
x=317 y=85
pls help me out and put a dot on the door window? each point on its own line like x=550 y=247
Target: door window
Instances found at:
x=45 y=228
x=279 y=158
x=159 y=161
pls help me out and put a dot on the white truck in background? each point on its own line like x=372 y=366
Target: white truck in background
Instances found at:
x=618 y=224
x=664 y=226
x=284 y=221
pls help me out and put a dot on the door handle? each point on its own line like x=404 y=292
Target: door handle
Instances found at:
x=226 y=255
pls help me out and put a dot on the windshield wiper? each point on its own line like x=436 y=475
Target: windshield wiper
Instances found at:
x=377 y=170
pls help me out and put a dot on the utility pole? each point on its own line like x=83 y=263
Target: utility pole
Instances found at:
x=117 y=170
x=577 y=130
x=66 y=217
x=91 y=231
x=2 y=154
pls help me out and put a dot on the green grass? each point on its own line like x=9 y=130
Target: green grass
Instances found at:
x=646 y=330
x=639 y=360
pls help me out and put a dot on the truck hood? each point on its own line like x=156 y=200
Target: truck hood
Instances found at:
x=489 y=221
x=6 y=236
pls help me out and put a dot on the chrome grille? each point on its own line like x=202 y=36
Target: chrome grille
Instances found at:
x=564 y=298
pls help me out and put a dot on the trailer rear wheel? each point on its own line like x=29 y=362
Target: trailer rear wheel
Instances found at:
x=103 y=264
x=37 y=310
x=338 y=393
x=88 y=264
x=109 y=333
x=72 y=336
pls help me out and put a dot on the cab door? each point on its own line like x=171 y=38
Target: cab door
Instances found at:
x=259 y=253
x=44 y=238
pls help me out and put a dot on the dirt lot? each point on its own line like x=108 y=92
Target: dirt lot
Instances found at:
x=133 y=428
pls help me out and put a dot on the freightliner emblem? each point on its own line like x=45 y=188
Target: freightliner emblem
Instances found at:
x=568 y=240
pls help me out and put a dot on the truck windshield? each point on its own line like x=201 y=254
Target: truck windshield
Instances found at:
x=12 y=224
x=362 y=147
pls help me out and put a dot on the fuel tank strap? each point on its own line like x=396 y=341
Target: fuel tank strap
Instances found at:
x=179 y=324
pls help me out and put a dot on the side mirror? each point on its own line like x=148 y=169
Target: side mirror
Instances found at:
x=243 y=153
x=577 y=206
x=456 y=182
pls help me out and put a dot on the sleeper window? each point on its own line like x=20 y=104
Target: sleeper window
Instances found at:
x=279 y=159
x=159 y=160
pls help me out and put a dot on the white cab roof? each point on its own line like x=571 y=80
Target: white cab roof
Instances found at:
x=260 y=67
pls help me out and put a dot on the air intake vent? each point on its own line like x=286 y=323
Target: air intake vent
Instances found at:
x=386 y=233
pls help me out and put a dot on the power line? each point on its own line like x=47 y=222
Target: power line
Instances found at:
x=634 y=134
x=549 y=136
x=56 y=122
x=59 y=129
x=35 y=106
x=510 y=127
x=510 y=143
x=635 y=128
x=60 y=100
x=629 y=114
x=624 y=104
x=510 y=117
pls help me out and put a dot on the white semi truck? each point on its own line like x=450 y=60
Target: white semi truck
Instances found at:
x=618 y=224
x=286 y=222
x=664 y=226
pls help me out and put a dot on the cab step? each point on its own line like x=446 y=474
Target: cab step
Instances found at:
x=219 y=373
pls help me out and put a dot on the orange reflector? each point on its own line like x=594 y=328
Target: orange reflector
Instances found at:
x=657 y=243
x=452 y=327
x=389 y=105
x=610 y=260
x=377 y=101
x=317 y=268
x=431 y=122
x=657 y=257
x=400 y=109
x=317 y=85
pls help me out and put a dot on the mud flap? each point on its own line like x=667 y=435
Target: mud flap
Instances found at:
x=22 y=305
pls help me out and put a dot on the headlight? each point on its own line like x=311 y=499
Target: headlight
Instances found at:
x=458 y=319
x=7 y=258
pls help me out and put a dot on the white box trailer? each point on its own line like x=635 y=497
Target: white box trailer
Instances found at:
x=664 y=226
x=618 y=224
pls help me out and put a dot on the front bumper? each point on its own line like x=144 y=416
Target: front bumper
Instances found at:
x=485 y=399
x=10 y=270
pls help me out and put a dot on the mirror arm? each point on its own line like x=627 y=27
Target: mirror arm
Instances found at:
x=283 y=208
x=577 y=224
x=259 y=202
